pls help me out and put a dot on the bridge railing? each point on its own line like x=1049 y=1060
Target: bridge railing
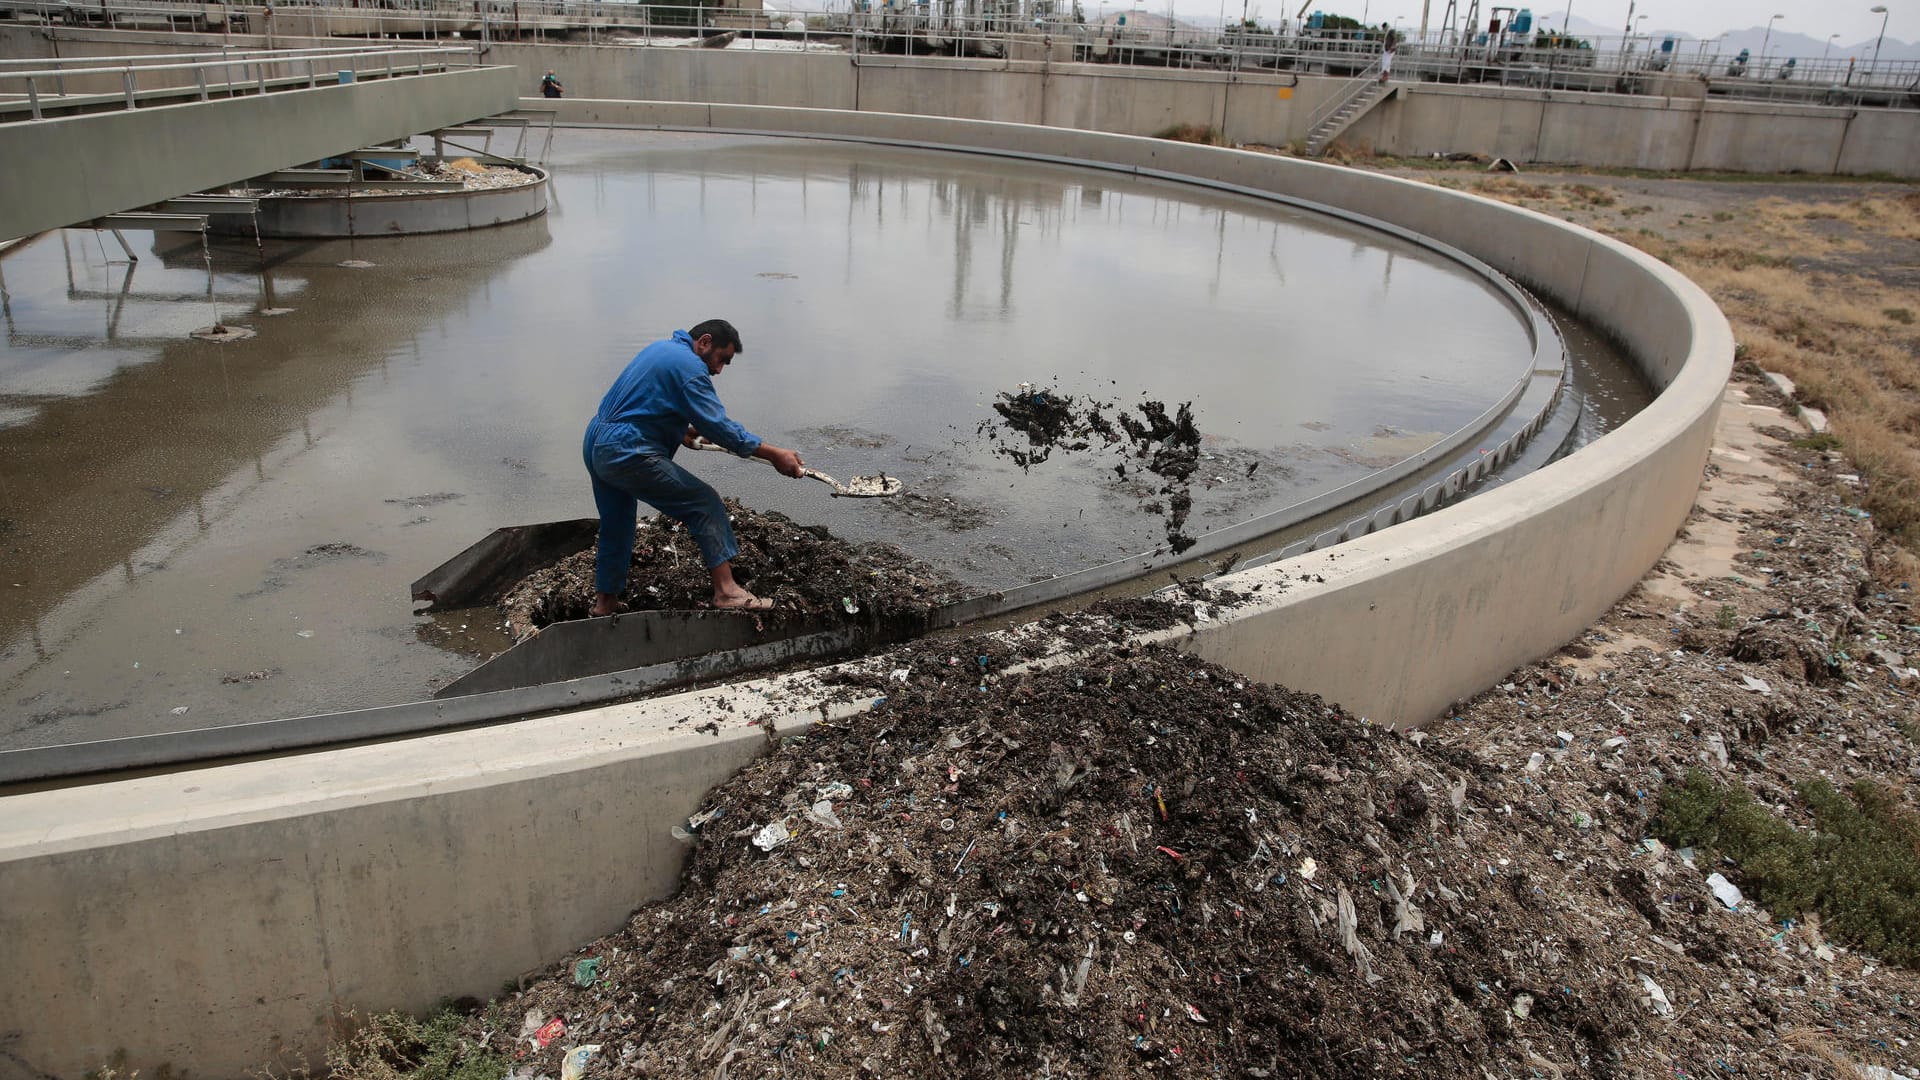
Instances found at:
x=102 y=83
x=1638 y=66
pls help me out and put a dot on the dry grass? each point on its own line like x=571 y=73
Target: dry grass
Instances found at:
x=1819 y=1046
x=1193 y=133
x=395 y=1046
x=1821 y=289
x=1814 y=289
x=1507 y=189
x=1343 y=152
x=1591 y=195
x=1830 y=333
x=1828 y=229
x=1884 y=216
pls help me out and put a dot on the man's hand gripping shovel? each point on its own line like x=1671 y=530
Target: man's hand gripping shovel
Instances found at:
x=877 y=486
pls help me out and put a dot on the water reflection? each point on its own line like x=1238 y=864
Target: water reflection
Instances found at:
x=952 y=261
x=127 y=442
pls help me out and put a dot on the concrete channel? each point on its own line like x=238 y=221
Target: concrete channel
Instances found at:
x=395 y=875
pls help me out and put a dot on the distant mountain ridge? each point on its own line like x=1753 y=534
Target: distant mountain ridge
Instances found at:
x=1782 y=42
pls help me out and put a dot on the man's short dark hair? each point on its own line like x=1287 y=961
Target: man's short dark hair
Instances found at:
x=723 y=334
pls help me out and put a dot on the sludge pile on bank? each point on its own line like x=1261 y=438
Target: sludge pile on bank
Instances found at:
x=803 y=569
x=1135 y=864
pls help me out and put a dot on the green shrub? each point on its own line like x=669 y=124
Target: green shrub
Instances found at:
x=1859 y=868
x=1820 y=441
x=394 y=1045
x=1869 y=843
x=1773 y=858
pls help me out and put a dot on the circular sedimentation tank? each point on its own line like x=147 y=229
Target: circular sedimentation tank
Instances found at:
x=495 y=194
x=210 y=534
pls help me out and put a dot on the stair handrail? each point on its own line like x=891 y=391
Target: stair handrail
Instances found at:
x=1353 y=89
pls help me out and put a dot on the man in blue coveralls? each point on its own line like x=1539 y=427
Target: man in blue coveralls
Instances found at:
x=660 y=402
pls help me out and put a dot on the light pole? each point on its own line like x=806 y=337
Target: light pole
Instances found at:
x=1828 y=48
x=1766 y=38
x=1880 y=10
x=1626 y=41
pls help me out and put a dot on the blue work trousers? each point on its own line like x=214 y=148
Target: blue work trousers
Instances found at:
x=625 y=475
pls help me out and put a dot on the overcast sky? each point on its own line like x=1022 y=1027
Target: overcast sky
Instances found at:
x=1701 y=18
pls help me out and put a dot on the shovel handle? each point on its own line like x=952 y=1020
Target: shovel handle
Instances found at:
x=703 y=443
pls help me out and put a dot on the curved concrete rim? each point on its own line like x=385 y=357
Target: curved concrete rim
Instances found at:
x=396 y=875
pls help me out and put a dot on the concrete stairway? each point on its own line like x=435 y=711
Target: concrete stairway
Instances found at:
x=1345 y=109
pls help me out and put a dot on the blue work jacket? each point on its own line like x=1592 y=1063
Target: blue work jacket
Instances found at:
x=664 y=389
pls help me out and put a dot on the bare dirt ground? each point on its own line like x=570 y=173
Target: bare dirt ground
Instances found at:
x=1135 y=864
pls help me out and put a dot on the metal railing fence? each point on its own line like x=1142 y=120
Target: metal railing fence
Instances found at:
x=98 y=81
x=1340 y=98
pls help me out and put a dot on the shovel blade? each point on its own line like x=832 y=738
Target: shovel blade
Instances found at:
x=880 y=486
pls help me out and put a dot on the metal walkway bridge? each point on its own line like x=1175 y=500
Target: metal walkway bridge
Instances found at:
x=86 y=139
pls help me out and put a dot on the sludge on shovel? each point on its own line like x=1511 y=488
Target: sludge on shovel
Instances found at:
x=877 y=486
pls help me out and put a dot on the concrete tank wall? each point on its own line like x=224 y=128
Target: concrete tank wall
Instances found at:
x=405 y=214
x=1684 y=131
x=1558 y=127
x=1737 y=137
x=683 y=74
x=1637 y=132
x=216 y=919
x=1880 y=141
x=212 y=919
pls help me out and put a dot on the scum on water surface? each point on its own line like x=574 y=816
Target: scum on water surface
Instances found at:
x=1165 y=446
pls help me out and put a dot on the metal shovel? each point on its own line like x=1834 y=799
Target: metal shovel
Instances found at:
x=878 y=486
